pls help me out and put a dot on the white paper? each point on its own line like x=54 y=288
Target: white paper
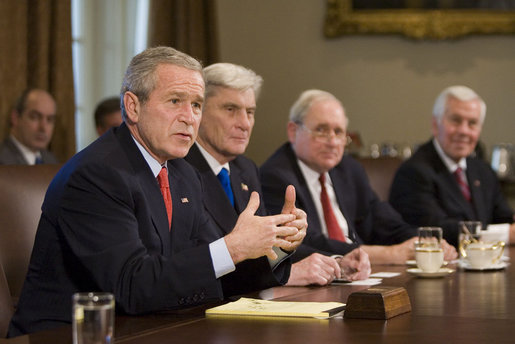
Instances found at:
x=497 y=232
x=370 y=281
x=384 y=274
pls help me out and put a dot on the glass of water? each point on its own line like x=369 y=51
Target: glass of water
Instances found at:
x=93 y=318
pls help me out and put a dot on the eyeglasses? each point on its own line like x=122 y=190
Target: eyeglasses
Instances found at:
x=324 y=134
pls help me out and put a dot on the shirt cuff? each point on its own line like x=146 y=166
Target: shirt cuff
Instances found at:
x=281 y=255
x=222 y=261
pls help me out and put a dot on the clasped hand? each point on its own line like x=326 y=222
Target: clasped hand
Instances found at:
x=255 y=236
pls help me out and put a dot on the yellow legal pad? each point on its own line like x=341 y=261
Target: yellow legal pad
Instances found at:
x=247 y=306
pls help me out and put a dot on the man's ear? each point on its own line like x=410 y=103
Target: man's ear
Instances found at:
x=291 y=130
x=15 y=117
x=132 y=106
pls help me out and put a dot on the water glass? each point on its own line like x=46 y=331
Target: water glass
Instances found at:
x=93 y=318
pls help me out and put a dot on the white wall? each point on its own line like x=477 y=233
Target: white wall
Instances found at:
x=387 y=83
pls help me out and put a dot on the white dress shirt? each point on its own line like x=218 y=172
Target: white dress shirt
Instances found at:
x=315 y=188
x=220 y=256
x=29 y=155
x=451 y=165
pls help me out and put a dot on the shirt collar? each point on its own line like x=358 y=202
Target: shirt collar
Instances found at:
x=29 y=155
x=215 y=166
x=448 y=162
x=154 y=165
x=312 y=175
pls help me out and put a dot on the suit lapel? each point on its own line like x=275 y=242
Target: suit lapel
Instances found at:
x=450 y=184
x=215 y=201
x=240 y=188
x=185 y=202
x=340 y=184
x=303 y=194
x=17 y=154
x=149 y=186
x=474 y=181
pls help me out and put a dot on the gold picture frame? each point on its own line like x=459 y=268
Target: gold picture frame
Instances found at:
x=342 y=19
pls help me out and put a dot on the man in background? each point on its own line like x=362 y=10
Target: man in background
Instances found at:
x=32 y=124
x=108 y=115
x=343 y=210
x=443 y=182
x=229 y=178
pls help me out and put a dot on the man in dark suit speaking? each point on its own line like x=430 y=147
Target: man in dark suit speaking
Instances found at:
x=125 y=215
x=343 y=210
x=442 y=183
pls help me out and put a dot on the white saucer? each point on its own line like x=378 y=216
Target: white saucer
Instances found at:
x=497 y=266
x=440 y=273
x=413 y=262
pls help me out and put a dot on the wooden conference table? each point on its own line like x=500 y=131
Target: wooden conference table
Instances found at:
x=465 y=307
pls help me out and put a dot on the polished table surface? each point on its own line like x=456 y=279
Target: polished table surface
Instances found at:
x=464 y=307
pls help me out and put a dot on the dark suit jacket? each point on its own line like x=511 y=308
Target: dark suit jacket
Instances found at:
x=11 y=155
x=427 y=194
x=370 y=221
x=104 y=227
x=256 y=273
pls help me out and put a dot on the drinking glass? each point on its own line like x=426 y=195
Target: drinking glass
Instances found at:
x=469 y=231
x=93 y=318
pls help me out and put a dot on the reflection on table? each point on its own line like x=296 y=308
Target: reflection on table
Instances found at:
x=464 y=307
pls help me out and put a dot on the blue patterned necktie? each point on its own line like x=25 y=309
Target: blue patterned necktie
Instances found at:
x=224 y=179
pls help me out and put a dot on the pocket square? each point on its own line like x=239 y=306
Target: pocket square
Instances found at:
x=184 y=200
x=244 y=187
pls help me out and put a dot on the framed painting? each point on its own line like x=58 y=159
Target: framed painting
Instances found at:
x=420 y=19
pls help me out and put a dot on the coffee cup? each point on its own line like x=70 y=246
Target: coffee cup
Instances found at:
x=429 y=256
x=482 y=255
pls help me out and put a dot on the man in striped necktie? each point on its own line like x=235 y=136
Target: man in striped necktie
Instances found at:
x=444 y=182
x=343 y=210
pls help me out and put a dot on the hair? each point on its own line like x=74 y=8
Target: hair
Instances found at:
x=140 y=77
x=307 y=98
x=459 y=92
x=231 y=76
x=21 y=103
x=105 y=108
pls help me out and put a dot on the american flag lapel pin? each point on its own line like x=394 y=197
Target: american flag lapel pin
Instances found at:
x=244 y=187
x=184 y=200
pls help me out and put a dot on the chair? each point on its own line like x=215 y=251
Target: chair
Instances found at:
x=380 y=172
x=6 y=304
x=23 y=190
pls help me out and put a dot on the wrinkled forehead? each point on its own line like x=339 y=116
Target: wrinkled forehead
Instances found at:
x=327 y=112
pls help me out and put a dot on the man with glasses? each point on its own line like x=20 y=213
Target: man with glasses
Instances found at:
x=229 y=178
x=343 y=211
x=32 y=124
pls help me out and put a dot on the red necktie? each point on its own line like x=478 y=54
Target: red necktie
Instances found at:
x=333 y=229
x=464 y=187
x=162 y=179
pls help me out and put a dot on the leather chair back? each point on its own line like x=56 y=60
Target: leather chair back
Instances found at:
x=380 y=172
x=22 y=190
x=6 y=304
